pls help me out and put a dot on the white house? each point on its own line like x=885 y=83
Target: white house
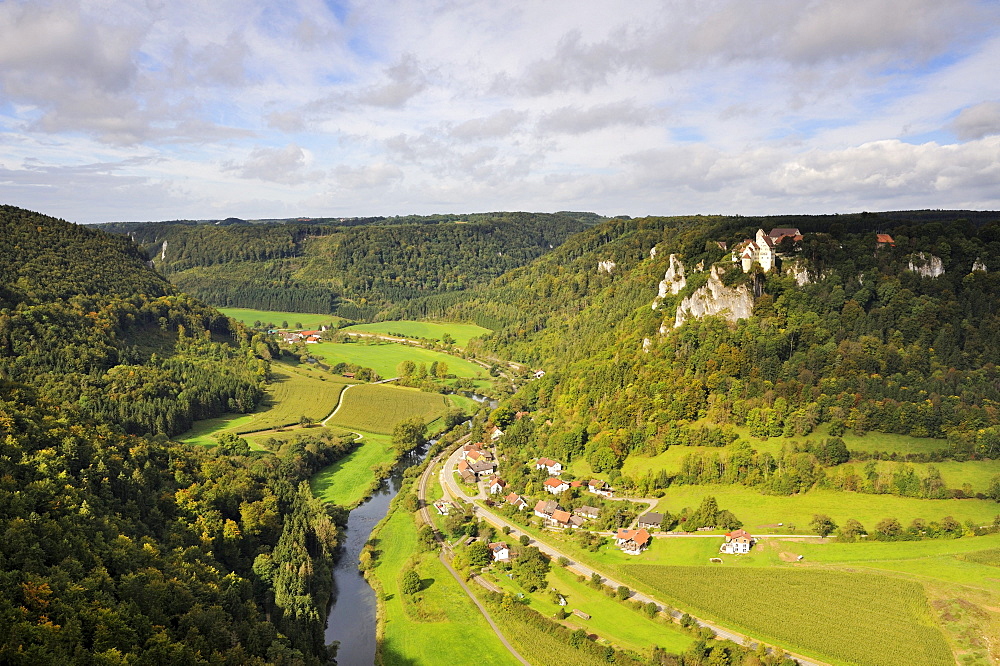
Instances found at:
x=496 y=485
x=500 y=551
x=763 y=247
x=598 y=487
x=737 y=542
x=551 y=466
x=555 y=486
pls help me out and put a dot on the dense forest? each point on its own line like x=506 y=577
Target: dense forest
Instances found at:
x=84 y=319
x=846 y=335
x=120 y=546
x=357 y=269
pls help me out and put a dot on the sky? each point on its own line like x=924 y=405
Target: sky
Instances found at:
x=155 y=110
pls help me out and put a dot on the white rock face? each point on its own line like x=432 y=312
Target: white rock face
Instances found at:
x=673 y=281
x=926 y=264
x=605 y=266
x=799 y=271
x=163 y=251
x=978 y=265
x=652 y=252
x=646 y=343
x=716 y=298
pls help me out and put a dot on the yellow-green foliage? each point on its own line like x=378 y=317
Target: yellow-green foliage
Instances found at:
x=854 y=617
x=379 y=407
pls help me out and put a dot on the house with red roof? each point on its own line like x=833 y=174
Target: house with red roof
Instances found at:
x=738 y=542
x=496 y=485
x=555 y=486
x=632 y=542
x=517 y=501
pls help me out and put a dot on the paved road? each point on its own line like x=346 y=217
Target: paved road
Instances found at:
x=425 y=514
x=448 y=480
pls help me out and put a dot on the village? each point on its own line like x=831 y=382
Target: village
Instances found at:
x=558 y=505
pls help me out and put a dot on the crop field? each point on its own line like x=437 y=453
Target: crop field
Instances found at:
x=291 y=395
x=798 y=608
x=385 y=357
x=308 y=321
x=379 y=407
x=461 y=333
x=757 y=510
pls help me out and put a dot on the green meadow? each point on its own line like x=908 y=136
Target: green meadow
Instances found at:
x=460 y=333
x=439 y=624
x=609 y=619
x=308 y=321
x=347 y=481
x=385 y=357
x=761 y=511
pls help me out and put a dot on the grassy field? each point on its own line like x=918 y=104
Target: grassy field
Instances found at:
x=257 y=440
x=797 y=607
x=384 y=357
x=609 y=618
x=461 y=333
x=444 y=626
x=975 y=473
x=308 y=321
x=292 y=394
x=348 y=480
x=379 y=407
x=756 y=510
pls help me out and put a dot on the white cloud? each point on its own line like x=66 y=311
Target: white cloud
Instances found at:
x=422 y=105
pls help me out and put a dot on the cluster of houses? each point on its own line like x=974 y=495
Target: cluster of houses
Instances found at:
x=309 y=337
x=478 y=462
x=554 y=515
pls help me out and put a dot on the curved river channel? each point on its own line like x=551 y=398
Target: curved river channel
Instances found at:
x=352 y=612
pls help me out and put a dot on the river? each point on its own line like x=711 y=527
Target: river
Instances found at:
x=352 y=612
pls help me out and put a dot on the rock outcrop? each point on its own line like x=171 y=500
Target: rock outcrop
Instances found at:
x=926 y=264
x=673 y=280
x=715 y=298
x=606 y=266
x=978 y=266
x=798 y=270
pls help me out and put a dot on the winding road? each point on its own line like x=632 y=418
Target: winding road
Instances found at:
x=452 y=488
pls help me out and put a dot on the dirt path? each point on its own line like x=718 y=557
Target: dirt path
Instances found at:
x=425 y=514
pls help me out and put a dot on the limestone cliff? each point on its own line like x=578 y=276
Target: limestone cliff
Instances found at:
x=673 y=280
x=926 y=264
x=715 y=298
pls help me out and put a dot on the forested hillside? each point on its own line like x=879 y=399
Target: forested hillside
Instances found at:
x=356 y=269
x=84 y=319
x=847 y=335
x=119 y=547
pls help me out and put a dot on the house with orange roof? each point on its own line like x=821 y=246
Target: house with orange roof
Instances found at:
x=632 y=542
x=555 y=486
x=517 y=501
x=738 y=542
